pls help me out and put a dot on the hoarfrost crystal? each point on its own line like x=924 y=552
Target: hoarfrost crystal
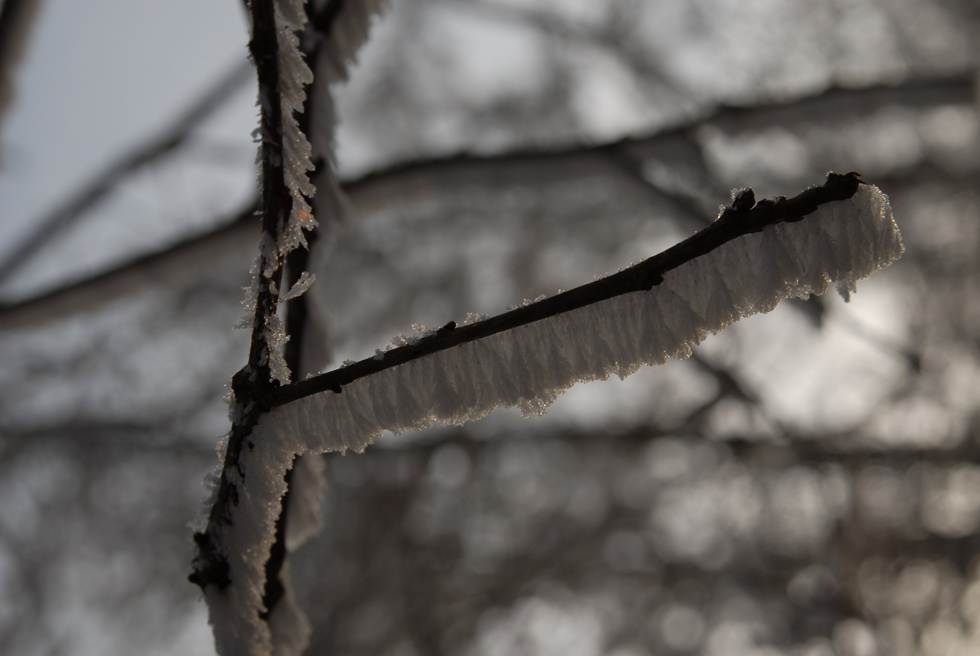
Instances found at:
x=235 y=609
x=530 y=365
x=299 y=288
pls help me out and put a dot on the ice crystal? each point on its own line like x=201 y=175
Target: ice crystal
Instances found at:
x=530 y=365
x=299 y=288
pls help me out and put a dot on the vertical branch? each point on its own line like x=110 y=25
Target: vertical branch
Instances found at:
x=274 y=204
x=253 y=385
x=244 y=584
x=297 y=311
x=16 y=17
x=242 y=553
x=296 y=314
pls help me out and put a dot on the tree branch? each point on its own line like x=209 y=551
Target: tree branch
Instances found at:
x=378 y=188
x=834 y=103
x=543 y=348
x=15 y=23
x=184 y=263
x=274 y=202
x=745 y=217
x=251 y=385
x=298 y=311
x=284 y=159
x=105 y=181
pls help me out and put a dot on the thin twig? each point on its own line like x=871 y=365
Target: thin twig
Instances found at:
x=105 y=181
x=16 y=17
x=252 y=385
x=742 y=219
x=364 y=191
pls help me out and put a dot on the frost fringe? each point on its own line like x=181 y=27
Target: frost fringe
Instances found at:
x=530 y=365
x=339 y=42
x=294 y=76
x=235 y=599
x=296 y=158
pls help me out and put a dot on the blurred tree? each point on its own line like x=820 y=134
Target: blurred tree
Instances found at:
x=806 y=483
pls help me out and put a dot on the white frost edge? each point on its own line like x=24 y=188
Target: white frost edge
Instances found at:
x=233 y=613
x=295 y=75
x=297 y=153
x=339 y=49
x=306 y=279
x=529 y=366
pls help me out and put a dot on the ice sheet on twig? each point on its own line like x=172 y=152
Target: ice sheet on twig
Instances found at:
x=530 y=365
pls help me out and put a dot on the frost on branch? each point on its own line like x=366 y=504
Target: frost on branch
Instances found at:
x=339 y=41
x=285 y=158
x=242 y=623
x=299 y=288
x=345 y=31
x=296 y=149
x=528 y=365
x=275 y=337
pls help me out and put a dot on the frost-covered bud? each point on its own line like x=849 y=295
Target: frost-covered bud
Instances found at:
x=743 y=200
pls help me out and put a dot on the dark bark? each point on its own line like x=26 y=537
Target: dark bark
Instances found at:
x=733 y=223
x=252 y=385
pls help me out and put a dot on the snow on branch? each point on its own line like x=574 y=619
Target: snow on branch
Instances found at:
x=285 y=158
x=295 y=75
x=251 y=609
x=753 y=280
x=749 y=259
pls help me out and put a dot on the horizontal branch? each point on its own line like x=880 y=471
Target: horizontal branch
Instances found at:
x=377 y=188
x=105 y=181
x=746 y=262
x=184 y=263
x=833 y=104
x=745 y=217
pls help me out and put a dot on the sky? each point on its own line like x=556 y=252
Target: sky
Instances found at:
x=96 y=79
x=91 y=85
